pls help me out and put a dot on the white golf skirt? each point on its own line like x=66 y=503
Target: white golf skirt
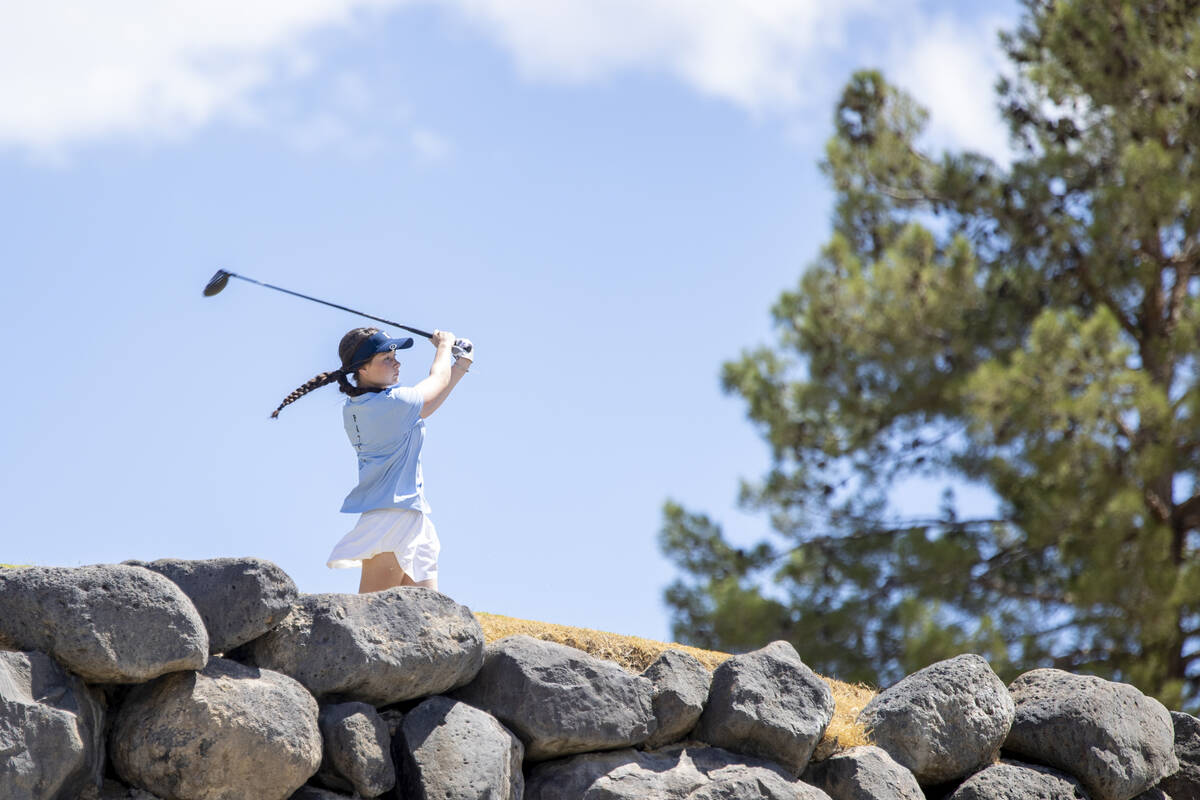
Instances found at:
x=407 y=533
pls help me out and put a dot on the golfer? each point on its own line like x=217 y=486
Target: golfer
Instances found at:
x=394 y=540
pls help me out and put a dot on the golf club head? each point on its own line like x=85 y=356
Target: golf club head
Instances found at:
x=216 y=283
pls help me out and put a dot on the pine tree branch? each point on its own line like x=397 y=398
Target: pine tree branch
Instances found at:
x=1187 y=514
x=1081 y=657
x=1073 y=622
x=1018 y=592
x=911 y=198
x=1098 y=290
x=931 y=522
x=1125 y=430
x=1185 y=264
x=1152 y=320
x=873 y=528
x=870 y=532
x=992 y=579
x=1157 y=505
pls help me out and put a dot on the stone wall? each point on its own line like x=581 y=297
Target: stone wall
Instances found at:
x=216 y=680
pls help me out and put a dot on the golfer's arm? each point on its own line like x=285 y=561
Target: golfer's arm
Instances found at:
x=443 y=377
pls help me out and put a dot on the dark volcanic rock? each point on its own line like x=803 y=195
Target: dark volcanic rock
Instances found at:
x=680 y=690
x=112 y=790
x=1185 y=784
x=107 y=623
x=230 y=731
x=377 y=648
x=672 y=773
x=239 y=599
x=863 y=773
x=317 y=793
x=1011 y=780
x=559 y=700
x=943 y=722
x=1110 y=736
x=358 y=750
x=51 y=730
x=450 y=750
x=767 y=703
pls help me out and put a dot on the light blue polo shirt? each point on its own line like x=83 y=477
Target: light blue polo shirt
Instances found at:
x=387 y=431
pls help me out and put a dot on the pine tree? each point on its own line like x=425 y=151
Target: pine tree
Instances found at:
x=1030 y=327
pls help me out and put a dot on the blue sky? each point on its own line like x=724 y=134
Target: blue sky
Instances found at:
x=605 y=196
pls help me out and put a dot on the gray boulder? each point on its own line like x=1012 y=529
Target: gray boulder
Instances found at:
x=453 y=751
x=108 y=623
x=1110 y=736
x=1155 y=793
x=377 y=648
x=739 y=782
x=51 y=730
x=317 y=793
x=239 y=599
x=560 y=700
x=943 y=722
x=676 y=772
x=358 y=750
x=1011 y=780
x=767 y=703
x=228 y=732
x=863 y=773
x=112 y=790
x=1185 y=784
x=680 y=690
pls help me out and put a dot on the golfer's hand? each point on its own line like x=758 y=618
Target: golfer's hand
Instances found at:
x=442 y=339
x=463 y=349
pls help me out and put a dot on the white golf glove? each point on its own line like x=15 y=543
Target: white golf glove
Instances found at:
x=463 y=349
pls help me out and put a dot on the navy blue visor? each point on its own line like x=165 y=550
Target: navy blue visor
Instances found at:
x=377 y=343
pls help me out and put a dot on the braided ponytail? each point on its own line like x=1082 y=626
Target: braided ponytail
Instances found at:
x=346 y=387
x=308 y=386
x=346 y=348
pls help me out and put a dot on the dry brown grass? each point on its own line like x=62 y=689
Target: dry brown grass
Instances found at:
x=635 y=654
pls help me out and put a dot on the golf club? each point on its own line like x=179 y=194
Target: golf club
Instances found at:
x=221 y=278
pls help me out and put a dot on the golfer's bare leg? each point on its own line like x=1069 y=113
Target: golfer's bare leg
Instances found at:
x=430 y=583
x=381 y=572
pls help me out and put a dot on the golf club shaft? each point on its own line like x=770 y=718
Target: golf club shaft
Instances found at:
x=417 y=331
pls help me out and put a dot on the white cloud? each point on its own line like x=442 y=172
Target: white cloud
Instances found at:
x=323 y=132
x=72 y=72
x=951 y=68
x=758 y=54
x=430 y=147
x=784 y=58
x=353 y=93
x=336 y=116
